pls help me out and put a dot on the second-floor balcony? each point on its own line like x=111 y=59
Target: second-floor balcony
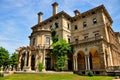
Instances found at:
x=87 y=40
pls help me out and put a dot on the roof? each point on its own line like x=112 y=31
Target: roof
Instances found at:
x=52 y=17
x=101 y=7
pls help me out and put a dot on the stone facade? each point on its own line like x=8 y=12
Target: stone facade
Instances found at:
x=96 y=45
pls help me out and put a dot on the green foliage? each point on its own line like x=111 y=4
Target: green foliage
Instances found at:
x=90 y=73
x=60 y=62
x=4 y=57
x=60 y=50
x=54 y=36
x=14 y=60
x=40 y=66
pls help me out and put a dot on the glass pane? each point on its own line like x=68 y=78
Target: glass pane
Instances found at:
x=47 y=40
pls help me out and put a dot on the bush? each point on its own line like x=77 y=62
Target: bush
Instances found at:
x=1 y=74
x=41 y=66
x=90 y=73
x=61 y=63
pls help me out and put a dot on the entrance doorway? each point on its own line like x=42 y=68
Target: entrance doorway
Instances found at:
x=48 y=63
x=70 y=65
x=33 y=62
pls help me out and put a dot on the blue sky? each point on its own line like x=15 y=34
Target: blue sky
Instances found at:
x=18 y=16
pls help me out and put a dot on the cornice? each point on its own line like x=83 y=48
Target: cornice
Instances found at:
x=89 y=12
x=50 y=19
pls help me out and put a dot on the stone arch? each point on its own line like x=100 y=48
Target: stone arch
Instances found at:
x=94 y=59
x=81 y=60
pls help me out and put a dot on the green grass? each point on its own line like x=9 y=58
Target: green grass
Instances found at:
x=53 y=77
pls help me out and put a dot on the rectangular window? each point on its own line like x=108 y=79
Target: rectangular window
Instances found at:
x=56 y=25
x=68 y=40
x=34 y=41
x=50 y=26
x=84 y=24
x=76 y=40
x=68 y=26
x=93 y=12
x=75 y=27
x=85 y=37
x=96 y=34
x=47 y=40
x=94 y=21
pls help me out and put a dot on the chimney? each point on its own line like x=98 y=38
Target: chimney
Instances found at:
x=76 y=12
x=40 y=17
x=55 y=8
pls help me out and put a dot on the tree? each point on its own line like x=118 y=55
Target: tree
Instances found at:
x=4 y=57
x=14 y=60
x=60 y=50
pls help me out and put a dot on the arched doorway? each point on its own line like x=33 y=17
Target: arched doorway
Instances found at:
x=94 y=59
x=81 y=60
x=33 y=62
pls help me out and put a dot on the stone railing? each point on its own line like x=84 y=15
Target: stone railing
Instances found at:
x=44 y=46
x=87 y=40
x=113 y=68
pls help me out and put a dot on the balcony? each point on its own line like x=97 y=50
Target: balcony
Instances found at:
x=87 y=40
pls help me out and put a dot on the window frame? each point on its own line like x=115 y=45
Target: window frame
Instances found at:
x=34 y=41
x=56 y=25
x=48 y=38
x=84 y=24
x=75 y=27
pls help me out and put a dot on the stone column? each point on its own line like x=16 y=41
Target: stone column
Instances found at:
x=102 y=60
x=36 y=62
x=29 y=61
x=19 y=62
x=88 y=62
x=25 y=61
x=44 y=51
x=86 y=66
x=76 y=63
x=110 y=57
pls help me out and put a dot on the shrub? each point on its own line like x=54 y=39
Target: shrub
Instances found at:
x=90 y=73
x=1 y=74
x=41 y=66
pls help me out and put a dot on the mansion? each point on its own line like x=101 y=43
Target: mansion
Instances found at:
x=96 y=45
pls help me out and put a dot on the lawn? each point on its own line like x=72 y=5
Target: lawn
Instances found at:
x=53 y=77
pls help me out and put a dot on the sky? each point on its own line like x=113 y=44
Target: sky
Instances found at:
x=18 y=16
